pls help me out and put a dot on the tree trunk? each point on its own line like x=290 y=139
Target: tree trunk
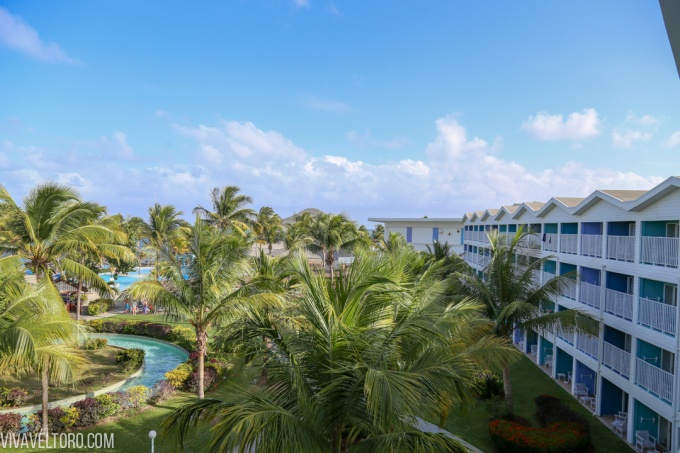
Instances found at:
x=201 y=345
x=45 y=401
x=270 y=246
x=507 y=387
x=80 y=289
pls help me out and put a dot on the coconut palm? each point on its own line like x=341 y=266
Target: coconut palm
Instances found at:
x=378 y=235
x=164 y=232
x=218 y=266
x=395 y=241
x=513 y=299
x=37 y=336
x=229 y=209
x=330 y=233
x=351 y=365
x=268 y=228
x=52 y=228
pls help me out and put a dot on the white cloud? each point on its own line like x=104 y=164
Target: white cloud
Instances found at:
x=16 y=34
x=626 y=138
x=673 y=140
x=118 y=146
x=578 y=126
x=327 y=105
x=460 y=172
x=644 y=120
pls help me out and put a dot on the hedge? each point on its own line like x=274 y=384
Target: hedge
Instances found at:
x=181 y=336
x=130 y=359
x=99 y=306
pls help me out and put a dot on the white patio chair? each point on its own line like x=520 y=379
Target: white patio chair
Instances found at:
x=548 y=360
x=534 y=349
x=580 y=390
x=620 y=423
x=644 y=441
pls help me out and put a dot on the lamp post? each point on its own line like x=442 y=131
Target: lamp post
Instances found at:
x=152 y=436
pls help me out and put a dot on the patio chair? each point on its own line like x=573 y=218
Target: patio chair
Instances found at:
x=580 y=390
x=644 y=441
x=534 y=349
x=548 y=360
x=570 y=376
x=620 y=423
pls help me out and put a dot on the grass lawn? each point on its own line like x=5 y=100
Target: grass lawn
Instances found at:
x=131 y=434
x=528 y=381
x=102 y=371
x=158 y=318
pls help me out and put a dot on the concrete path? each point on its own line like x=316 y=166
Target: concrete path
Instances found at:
x=428 y=427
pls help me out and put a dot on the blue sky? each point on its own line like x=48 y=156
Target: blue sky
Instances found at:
x=372 y=108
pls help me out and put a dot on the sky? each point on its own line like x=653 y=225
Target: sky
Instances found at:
x=374 y=109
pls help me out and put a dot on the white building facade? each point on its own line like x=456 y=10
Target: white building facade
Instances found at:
x=624 y=248
x=424 y=232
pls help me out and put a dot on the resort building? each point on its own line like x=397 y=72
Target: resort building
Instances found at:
x=423 y=232
x=621 y=250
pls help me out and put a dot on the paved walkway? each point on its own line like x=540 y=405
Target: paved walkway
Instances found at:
x=428 y=427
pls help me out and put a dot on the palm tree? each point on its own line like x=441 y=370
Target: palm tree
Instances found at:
x=378 y=235
x=36 y=334
x=228 y=209
x=513 y=299
x=268 y=227
x=53 y=227
x=352 y=365
x=165 y=231
x=395 y=241
x=330 y=233
x=218 y=266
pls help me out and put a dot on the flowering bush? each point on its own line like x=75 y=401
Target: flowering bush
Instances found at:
x=95 y=343
x=89 y=409
x=10 y=423
x=209 y=379
x=70 y=417
x=179 y=376
x=161 y=391
x=137 y=395
x=13 y=397
x=108 y=406
x=561 y=437
x=54 y=416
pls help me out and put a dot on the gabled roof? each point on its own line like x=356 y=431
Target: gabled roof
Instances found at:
x=625 y=195
x=530 y=206
x=489 y=212
x=569 y=202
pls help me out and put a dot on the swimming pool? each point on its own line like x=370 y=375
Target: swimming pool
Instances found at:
x=160 y=357
x=125 y=280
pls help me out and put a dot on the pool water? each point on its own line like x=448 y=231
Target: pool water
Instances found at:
x=125 y=280
x=160 y=357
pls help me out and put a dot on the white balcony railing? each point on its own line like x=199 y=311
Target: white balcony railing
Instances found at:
x=547 y=276
x=588 y=344
x=660 y=251
x=619 y=304
x=569 y=243
x=654 y=379
x=616 y=359
x=591 y=245
x=657 y=315
x=590 y=294
x=566 y=336
x=531 y=241
x=550 y=242
x=621 y=248
x=569 y=289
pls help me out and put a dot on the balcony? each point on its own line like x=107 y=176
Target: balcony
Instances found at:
x=621 y=248
x=591 y=245
x=616 y=359
x=566 y=336
x=657 y=315
x=654 y=380
x=618 y=304
x=588 y=344
x=550 y=242
x=531 y=241
x=569 y=289
x=569 y=243
x=590 y=295
x=660 y=251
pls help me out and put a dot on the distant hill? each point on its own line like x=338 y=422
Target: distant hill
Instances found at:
x=312 y=211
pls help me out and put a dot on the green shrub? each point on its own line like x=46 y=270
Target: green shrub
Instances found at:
x=70 y=417
x=511 y=437
x=99 y=306
x=489 y=385
x=108 y=407
x=130 y=359
x=550 y=409
x=95 y=343
x=138 y=395
x=97 y=325
x=183 y=336
x=179 y=376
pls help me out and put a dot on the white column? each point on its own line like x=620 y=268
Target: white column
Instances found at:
x=604 y=240
x=638 y=241
x=578 y=240
x=600 y=352
x=630 y=435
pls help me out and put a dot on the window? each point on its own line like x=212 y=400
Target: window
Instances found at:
x=631 y=229
x=672 y=230
x=629 y=284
